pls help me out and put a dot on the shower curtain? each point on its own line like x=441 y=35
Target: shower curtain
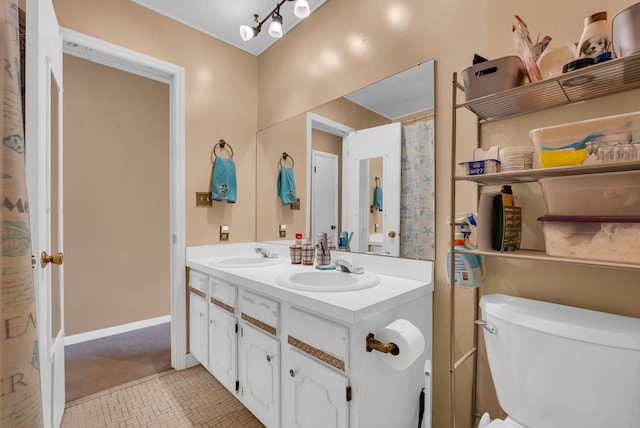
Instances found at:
x=21 y=400
x=417 y=210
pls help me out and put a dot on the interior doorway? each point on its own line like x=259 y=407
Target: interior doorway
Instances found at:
x=116 y=199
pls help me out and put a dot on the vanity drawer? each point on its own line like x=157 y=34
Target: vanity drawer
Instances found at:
x=223 y=294
x=319 y=338
x=199 y=281
x=260 y=311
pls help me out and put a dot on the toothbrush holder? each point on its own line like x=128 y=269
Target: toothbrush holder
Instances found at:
x=323 y=257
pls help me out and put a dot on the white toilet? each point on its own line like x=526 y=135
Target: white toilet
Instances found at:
x=557 y=366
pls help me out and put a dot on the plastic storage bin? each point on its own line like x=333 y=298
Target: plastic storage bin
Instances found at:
x=575 y=134
x=493 y=76
x=614 y=239
x=607 y=194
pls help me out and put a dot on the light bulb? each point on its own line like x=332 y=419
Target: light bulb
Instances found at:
x=247 y=32
x=275 y=28
x=301 y=9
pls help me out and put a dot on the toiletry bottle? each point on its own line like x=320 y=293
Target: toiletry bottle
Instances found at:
x=295 y=251
x=595 y=41
x=308 y=253
x=468 y=270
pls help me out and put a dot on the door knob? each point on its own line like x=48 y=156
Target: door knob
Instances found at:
x=45 y=258
x=391 y=234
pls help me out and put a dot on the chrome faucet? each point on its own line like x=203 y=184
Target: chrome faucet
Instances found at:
x=347 y=266
x=265 y=252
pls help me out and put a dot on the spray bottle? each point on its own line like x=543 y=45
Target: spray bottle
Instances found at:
x=468 y=268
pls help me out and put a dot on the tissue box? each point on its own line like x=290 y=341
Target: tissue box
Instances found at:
x=487 y=166
x=613 y=239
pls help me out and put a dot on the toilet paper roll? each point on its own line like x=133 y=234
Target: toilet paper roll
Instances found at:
x=409 y=340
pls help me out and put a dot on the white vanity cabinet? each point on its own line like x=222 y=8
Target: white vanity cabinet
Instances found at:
x=223 y=333
x=298 y=359
x=198 y=316
x=259 y=357
x=315 y=387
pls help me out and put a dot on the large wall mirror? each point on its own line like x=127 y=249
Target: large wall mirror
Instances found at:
x=362 y=164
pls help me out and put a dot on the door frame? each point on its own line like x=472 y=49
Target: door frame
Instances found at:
x=99 y=51
x=315 y=154
x=329 y=126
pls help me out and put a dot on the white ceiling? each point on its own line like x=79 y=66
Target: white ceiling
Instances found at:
x=400 y=95
x=221 y=19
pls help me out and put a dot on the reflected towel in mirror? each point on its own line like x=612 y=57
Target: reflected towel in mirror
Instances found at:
x=377 y=198
x=223 y=182
x=287 y=186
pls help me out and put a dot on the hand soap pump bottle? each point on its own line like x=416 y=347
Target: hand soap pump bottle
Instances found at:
x=468 y=268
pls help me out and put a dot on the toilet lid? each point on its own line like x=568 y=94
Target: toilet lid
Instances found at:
x=499 y=423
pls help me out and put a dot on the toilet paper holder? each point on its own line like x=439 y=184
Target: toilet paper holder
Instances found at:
x=375 y=344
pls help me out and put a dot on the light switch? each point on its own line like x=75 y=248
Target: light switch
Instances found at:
x=203 y=199
x=283 y=230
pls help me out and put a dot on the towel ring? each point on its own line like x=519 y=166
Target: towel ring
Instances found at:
x=284 y=158
x=223 y=145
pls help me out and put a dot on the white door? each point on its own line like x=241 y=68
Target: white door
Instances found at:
x=260 y=375
x=357 y=149
x=44 y=179
x=223 y=342
x=198 y=321
x=324 y=205
x=316 y=395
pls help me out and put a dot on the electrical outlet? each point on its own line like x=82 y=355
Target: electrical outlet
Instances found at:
x=203 y=199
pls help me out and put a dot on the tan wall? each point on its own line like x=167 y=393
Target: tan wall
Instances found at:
x=348 y=45
x=290 y=136
x=342 y=47
x=220 y=99
x=116 y=197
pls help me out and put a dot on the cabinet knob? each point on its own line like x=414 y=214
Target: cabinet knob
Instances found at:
x=269 y=357
x=292 y=373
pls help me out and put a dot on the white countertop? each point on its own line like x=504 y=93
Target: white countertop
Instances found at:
x=401 y=280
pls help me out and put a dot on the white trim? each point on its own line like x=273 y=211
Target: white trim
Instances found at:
x=329 y=126
x=110 y=331
x=111 y=55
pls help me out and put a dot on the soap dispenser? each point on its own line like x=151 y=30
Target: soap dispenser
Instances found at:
x=308 y=253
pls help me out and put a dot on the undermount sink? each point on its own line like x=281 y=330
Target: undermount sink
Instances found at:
x=326 y=280
x=244 y=261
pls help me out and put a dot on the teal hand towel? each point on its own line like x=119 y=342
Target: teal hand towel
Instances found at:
x=223 y=182
x=377 y=198
x=287 y=186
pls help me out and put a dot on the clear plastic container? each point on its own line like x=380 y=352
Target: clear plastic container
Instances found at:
x=607 y=194
x=575 y=133
x=613 y=239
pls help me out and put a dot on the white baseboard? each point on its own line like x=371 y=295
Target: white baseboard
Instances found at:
x=110 y=331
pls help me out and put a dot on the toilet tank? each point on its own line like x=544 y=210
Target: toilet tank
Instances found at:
x=556 y=366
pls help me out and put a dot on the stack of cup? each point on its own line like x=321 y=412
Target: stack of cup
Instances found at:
x=516 y=158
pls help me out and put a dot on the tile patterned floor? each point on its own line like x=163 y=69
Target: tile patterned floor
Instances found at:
x=171 y=399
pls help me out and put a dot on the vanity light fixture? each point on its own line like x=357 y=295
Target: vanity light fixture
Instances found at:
x=301 y=9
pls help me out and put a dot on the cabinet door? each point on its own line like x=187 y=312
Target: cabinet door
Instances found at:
x=314 y=395
x=260 y=374
x=223 y=341
x=198 y=320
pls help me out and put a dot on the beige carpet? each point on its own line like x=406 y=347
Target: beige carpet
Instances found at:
x=101 y=364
